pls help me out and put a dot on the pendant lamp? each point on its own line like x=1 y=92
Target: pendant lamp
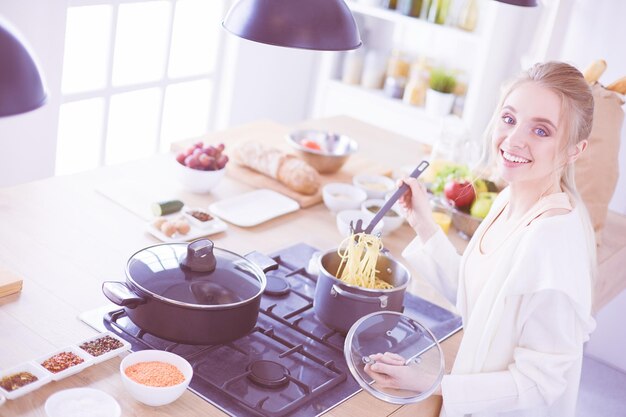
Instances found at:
x=522 y=3
x=324 y=25
x=21 y=86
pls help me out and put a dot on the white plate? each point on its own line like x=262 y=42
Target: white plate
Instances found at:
x=82 y=402
x=110 y=354
x=43 y=377
x=214 y=226
x=87 y=361
x=254 y=208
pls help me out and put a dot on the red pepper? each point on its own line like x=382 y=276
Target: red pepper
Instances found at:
x=311 y=144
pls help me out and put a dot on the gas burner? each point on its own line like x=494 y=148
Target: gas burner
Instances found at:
x=268 y=374
x=276 y=286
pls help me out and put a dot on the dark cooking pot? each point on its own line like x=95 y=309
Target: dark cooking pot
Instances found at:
x=339 y=305
x=192 y=293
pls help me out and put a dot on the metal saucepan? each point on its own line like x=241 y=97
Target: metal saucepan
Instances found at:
x=192 y=293
x=339 y=305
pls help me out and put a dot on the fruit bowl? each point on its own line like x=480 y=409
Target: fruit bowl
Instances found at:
x=199 y=168
x=196 y=180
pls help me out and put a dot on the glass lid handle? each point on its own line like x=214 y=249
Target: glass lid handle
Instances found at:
x=199 y=256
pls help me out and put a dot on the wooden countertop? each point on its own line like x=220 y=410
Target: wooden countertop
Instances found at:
x=64 y=239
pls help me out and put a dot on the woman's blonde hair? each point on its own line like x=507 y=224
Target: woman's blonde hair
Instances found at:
x=576 y=117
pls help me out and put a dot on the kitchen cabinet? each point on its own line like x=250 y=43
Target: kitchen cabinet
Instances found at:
x=471 y=54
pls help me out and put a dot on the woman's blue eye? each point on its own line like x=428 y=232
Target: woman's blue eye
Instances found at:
x=540 y=132
x=508 y=120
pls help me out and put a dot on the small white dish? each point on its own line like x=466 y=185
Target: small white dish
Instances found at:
x=345 y=216
x=107 y=355
x=87 y=361
x=2 y=400
x=253 y=208
x=188 y=213
x=339 y=196
x=155 y=396
x=393 y=218
x=216 y=226
x=376 y=186
x=43 y=377
x=83 y=402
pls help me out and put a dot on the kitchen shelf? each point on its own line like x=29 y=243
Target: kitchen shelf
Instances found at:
x=408 y=21
x=391 y=114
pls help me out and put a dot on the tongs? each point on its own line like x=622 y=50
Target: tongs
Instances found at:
x=358 y=226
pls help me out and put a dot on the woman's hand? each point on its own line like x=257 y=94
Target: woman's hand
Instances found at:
x=390 y=371
x=417 y=208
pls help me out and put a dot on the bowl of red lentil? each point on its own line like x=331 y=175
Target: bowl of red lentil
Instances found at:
x=65 y=362
x=155 y=377
x=22 y=379
x=104 y=346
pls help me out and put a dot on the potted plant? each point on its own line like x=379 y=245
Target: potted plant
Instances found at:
x=439 y=96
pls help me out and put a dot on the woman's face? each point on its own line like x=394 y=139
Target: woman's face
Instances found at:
x=528 y=136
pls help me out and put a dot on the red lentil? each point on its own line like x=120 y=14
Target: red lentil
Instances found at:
x=18 y=380
x=62 y=361
x=101 y=346
x=155 y=374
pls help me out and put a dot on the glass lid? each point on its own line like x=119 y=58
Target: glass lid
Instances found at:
x=217 y=277
x=405 y=348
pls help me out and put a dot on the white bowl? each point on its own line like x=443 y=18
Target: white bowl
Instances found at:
x=85 y=402
x=341 y=196
x=197 y=180
x=156 y=396
x=393 y=219
x=376 y=186
x=345 y=216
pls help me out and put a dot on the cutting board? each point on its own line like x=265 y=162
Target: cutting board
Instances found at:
x=355 y=165
x=9 y=283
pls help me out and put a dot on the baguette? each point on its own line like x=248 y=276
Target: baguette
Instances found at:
x=619 y=86
x=294 y=173
x=593 y=72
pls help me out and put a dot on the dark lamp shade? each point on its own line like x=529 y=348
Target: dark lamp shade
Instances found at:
x=324 y=25
x=522 y=3
x=21 y=86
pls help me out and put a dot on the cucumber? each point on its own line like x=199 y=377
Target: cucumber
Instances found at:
x=166 y=207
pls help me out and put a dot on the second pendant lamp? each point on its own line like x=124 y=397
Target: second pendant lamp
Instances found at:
x=324 y=25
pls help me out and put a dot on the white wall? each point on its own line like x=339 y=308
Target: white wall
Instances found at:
x=28 y=141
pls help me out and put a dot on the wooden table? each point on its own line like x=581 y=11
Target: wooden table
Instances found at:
x=64 y=239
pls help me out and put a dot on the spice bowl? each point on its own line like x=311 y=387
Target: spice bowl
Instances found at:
x=199 y=217
x=104 y=346
x=68 y=360
x=393 y=218
x=33 y=369
x=376 y=186
x=156 y=395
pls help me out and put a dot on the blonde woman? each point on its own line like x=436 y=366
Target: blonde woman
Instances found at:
x=524 y=284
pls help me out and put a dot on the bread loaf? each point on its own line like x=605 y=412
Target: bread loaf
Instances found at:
x=619 y=86
x=288 y=169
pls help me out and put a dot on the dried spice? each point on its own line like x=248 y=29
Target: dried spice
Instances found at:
x=155 y=374
x=18 y=380
x=101 y=346
x=200 y=215
x=62 y=361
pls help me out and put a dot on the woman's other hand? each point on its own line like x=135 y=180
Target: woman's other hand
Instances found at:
x=389 y=371
x=417 y=208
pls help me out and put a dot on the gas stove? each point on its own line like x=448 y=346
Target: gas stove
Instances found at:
x=290 y=364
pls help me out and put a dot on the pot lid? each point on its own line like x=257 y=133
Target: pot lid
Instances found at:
x=195 y=274
x=403 y=341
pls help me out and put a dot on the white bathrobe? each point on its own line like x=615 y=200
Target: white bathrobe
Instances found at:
x=521 y=351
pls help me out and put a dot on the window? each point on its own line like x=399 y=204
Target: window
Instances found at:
x=137 y=75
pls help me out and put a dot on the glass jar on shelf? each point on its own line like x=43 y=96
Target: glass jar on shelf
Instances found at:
x=415 y=90
x=411 y=8
x=374 y=66
x=353 y=66
x=438 y=11
x=460 y=91
x=468 y=15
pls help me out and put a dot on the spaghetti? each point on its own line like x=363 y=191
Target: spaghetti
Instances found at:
x=359 y=254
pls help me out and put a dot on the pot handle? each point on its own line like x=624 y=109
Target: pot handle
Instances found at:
x=120 y=294
x=337 y=290
x=262 y=261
